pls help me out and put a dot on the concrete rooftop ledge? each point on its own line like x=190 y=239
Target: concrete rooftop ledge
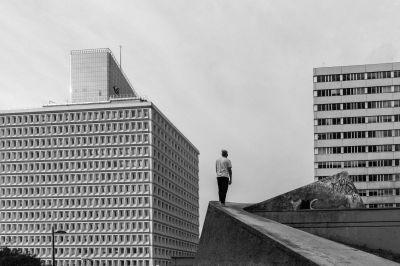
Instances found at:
x=233 y=236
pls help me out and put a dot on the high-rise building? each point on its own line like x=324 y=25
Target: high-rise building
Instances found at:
x=113 y=176
x=96 y=76
x=357 y=128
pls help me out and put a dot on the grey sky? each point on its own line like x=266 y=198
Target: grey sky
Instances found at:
x=228 y=74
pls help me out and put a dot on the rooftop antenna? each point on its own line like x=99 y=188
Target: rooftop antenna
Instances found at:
x=120 y=52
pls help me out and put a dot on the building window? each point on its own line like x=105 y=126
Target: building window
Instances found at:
x=328 y=78
x=353 y=76
x=379 y=75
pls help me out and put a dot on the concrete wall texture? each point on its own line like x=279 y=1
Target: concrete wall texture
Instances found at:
x=371 y=228
x=232 y=236
x=225 y=241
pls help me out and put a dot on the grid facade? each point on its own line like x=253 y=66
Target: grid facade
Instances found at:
x=96 y=76
x=357 y=128
x=118 y=177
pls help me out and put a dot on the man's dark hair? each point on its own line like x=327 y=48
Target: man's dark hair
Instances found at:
x=224 y=153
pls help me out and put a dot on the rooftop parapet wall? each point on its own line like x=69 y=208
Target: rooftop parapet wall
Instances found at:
x=372 y=230
x=232 y=236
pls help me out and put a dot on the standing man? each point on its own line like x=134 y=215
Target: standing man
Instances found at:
x=223 y=167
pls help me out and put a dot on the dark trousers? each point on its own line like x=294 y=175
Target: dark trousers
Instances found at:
x=223 y=183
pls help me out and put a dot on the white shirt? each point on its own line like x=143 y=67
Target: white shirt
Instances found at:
x=222 y=165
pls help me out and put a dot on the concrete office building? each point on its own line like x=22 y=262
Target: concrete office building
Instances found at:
x=357 y=128
x=109 y=169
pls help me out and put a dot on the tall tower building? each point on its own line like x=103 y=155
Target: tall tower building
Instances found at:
x=109 y=170
x=96 y=76
x=357 y=128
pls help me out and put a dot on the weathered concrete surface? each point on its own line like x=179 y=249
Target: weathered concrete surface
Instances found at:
x=232 y=236
x=182 y=261
x=335 y=192
x=374 y=229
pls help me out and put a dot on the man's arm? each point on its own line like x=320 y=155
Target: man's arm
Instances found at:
x=230 y=175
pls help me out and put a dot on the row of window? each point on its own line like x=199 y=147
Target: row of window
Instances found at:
x=79 y=116
x=161 y=240
x=371 y=177
x=173 y=231
x=74 y=141
x=356 y=120
x=356 y=91
x=379 y=192
x=382 y=205
x=357 y=105
x=357 y=76
x=73 y=252
x=358 y=134
x=74 y=166
x=358 y=163
x=73 y=129
x=375 y=177
x=7 y=215
x=93 y=237
x=60 y=179
x=357 y=149
x=97 y=261
x=74 y=238
x=62 y=203
x=75 y=153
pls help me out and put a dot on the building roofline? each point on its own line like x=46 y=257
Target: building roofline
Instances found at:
x=358 y=65
x=79 y=106
x=124 y=102
x=93 y=50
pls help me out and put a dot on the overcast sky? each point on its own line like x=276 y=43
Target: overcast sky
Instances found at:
x=229 y=74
